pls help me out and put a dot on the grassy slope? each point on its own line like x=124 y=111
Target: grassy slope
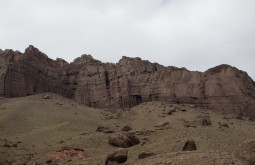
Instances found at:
x=42 y=124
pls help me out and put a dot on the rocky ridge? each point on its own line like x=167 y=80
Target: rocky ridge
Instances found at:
x=127 y=83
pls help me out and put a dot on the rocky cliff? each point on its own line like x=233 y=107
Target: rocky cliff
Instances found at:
x=129 y=82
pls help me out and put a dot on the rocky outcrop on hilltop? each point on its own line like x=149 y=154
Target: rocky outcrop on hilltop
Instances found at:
x=128 y=83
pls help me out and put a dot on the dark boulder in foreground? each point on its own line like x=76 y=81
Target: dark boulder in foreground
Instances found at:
x=189 y=145
x=116 y=157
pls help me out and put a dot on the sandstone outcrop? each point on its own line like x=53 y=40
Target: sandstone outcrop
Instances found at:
x=127 y=83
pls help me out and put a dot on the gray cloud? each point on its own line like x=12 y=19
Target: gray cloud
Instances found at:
x=196 y=34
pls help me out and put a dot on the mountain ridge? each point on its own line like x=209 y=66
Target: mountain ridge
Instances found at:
x=127 y=83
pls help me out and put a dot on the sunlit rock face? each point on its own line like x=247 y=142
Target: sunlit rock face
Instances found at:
x=127 y=83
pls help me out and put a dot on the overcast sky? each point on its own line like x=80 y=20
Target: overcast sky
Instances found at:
x=196 y=34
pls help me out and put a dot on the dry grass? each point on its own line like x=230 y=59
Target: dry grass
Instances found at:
x=45 y=125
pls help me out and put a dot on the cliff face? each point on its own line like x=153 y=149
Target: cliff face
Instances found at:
x=30 y=73
x=129 y=82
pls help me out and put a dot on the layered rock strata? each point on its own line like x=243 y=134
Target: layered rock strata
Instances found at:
x=127 y=83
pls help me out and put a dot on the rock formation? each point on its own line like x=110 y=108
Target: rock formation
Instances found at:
x=115 y=157
x=145 y=155
x=124 y=140
x=246 y=152
x=128 y=83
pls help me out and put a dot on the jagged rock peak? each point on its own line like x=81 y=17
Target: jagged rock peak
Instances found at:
x=31 y=50
x=86 y=59
x=224 y=68
x=131 y=58
x=61 y=61
x=135 y=65
x=136 y=61
x=220 y=68
x=228 y=69
x=8 y=51
x=125 y=59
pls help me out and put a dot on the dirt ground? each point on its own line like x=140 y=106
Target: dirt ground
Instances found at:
x=32 y=127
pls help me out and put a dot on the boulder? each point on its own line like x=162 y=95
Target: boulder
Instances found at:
x=104 y=129
x=124 y=140
x=145 y=155
x=189 y=146
x=202 y=121
x=162 y=124
x=246 y=152
x=116 y=157
x=126 y=128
